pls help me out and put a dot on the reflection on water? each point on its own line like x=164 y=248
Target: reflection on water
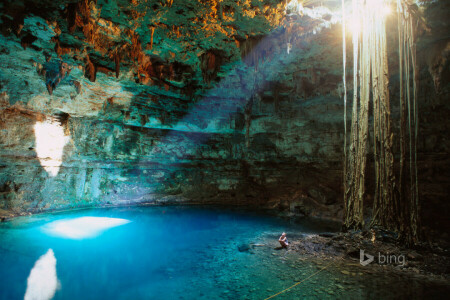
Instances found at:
x=42 y=282
x=189 y=253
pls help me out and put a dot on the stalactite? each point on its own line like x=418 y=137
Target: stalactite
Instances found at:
x=151 y=37
x=117 y=63
x=90 y=69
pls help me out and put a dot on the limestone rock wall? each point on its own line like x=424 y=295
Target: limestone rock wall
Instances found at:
x=228 y=102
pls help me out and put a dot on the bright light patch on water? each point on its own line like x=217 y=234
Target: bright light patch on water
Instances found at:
x=83 y=227
x=199 y=253
x=42 y=281
x=50 y=142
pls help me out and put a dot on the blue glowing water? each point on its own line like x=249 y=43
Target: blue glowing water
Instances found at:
x=180 y=253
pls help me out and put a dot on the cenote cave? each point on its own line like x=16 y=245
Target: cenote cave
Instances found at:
x=224 y=149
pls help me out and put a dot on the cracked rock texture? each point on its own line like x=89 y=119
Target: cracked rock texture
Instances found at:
x=225 y=102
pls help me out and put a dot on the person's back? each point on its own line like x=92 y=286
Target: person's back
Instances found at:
x=283 y=240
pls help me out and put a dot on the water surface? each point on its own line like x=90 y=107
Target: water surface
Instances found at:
x=184 y=253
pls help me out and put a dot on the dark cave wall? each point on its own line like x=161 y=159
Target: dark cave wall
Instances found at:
x=111 y=163
x=195 y=102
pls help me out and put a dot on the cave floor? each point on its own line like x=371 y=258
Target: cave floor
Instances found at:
x=184 y=252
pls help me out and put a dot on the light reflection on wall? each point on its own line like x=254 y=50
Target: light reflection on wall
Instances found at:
x=50 y=142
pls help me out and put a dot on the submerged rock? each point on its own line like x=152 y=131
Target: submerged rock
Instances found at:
x=244 y=248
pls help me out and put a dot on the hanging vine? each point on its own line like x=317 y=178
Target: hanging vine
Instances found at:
x=367 y=42
x=353 y=214
x=385 y=212
x=344 y=83
x=371 y=82
x=408 y=113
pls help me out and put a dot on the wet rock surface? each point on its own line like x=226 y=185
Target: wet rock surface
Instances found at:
x=426 y=259
x=327 y=266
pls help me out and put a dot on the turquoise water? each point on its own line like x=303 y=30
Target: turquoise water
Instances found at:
x=184 y=253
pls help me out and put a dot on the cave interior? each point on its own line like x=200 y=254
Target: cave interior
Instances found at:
x=330 y=116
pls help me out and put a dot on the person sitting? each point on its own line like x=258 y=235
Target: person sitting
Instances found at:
x=283 y=240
